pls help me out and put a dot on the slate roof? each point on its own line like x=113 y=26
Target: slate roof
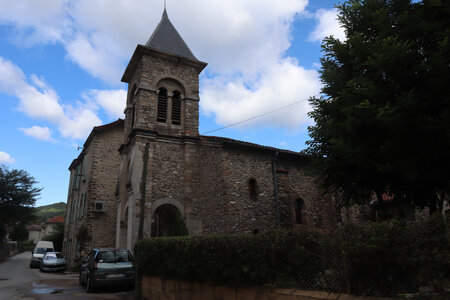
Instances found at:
x=166 y=38
x=233 y=142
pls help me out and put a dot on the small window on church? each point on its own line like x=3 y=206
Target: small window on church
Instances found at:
x=176 y=108
x=299 y=211
x=162 y=105
x=252 y=188
x=132 y=111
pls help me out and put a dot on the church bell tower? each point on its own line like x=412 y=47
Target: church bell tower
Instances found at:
x=163 y=85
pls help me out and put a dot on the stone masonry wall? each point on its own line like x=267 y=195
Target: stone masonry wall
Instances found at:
x=211 y=209
x=150 y=72
x=76 y=213
x=293 y=184
x=244 y=213
x=211 y=183
x=105 y=167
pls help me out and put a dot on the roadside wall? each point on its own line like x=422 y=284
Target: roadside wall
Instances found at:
x=155 y=288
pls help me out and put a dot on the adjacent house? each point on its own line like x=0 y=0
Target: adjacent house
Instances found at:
x=50 y=225
x=91 y=202
x=35 y=233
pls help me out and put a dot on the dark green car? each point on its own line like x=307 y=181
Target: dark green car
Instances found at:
x=107 y=267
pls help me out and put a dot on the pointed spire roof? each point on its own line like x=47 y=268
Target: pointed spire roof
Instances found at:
x=166 y=38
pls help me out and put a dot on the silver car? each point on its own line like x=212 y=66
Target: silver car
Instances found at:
x=53 y=261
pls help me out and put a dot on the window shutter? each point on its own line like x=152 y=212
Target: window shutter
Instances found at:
x=162 y=105
x=176 y=108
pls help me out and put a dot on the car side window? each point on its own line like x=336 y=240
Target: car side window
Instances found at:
x=91 y=256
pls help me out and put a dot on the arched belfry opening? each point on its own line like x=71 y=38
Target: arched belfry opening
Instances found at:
x=168 y=221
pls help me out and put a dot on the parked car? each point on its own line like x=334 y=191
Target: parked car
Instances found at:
x=107 y=267
x=53 y=261
x=39 y=251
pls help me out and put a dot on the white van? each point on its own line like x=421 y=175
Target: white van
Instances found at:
x=38 y=253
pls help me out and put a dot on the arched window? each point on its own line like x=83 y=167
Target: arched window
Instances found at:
x=176 y=108
x=299 y=211
x=162 y=105
x=252 y=188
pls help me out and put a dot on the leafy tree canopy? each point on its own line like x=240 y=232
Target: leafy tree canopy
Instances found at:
x=383 y=122
x=17 y=195
x=19 y=232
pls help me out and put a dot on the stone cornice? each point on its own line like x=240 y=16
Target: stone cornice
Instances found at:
x=144 y=50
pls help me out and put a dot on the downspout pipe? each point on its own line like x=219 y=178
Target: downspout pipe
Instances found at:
x=275 y=186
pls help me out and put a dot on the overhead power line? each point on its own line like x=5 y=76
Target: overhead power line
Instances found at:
x=255 y=117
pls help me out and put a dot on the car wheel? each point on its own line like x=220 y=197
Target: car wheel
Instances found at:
x=42 y=270
x=89 y=287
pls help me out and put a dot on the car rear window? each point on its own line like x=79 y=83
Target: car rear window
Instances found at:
x=123 y=256
x=114 y=256
x=54 y=255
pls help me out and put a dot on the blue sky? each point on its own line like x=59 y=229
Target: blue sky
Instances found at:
x=61 y=64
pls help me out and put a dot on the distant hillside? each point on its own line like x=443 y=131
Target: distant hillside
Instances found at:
x=49 y=211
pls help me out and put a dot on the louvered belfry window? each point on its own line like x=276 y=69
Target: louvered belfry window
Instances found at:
x=176 y=108
x=162 y=105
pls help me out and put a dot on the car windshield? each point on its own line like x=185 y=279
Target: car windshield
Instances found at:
x=114 y=256
x=54 y=255
x=40 y=250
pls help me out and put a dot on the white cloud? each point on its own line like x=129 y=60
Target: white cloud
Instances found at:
x=244 y=42
x=240 y=36
x=6 y=158
x=36 y=21
x=113 y=102
x=96 y=59
x=39 y=101
x=234 y=100
x=327 y=24
x=40 y=133
x=237 y=36
x=78 y=123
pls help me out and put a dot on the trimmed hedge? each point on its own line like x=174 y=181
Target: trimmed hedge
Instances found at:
x=393 y=257
x=377 y=259
x=279 y=258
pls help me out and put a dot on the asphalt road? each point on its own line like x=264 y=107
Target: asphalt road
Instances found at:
x=18 y=281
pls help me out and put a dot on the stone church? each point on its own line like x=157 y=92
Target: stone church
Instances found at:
x=181 y=182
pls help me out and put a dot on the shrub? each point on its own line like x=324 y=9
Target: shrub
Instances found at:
x=374 y=259
x=279 y=258
x=392 y=256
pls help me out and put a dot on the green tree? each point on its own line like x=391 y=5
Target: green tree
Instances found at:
x=19 y=232
x=383 y=122
x=17 y=196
